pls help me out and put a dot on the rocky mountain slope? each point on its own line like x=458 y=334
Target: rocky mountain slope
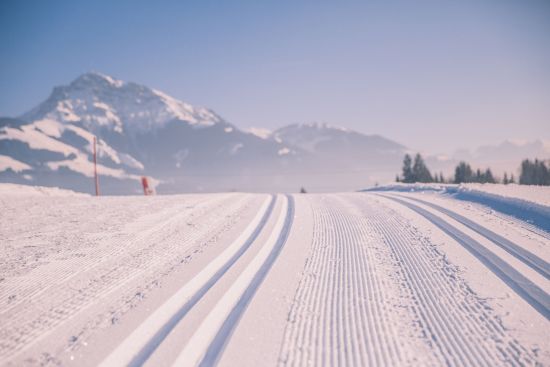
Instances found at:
x=142 y=131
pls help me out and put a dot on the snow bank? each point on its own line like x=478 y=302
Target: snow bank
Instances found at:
x=13 y=164
x=528 y=203
x=14 y=190
x=538 y=195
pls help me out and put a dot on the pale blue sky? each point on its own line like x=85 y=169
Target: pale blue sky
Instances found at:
x=433 y=75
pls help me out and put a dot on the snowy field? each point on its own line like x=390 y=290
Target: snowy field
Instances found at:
x=392 y=277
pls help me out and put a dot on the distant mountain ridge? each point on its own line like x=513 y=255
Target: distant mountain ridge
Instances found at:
x=142 y=131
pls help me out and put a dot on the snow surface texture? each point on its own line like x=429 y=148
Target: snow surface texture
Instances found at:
x=9 y=191
x=532 y=194
x=377 y=278
x=529 y=203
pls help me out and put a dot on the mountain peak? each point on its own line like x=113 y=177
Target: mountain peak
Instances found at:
x=313 y=126
x=98 y=101
x=97 y=78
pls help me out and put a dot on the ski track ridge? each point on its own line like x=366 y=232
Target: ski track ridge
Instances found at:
x=223 y=336
x=521 y=285
x=125 y=261
x=533 y=261
x=152 y=332
x=340 y=311
x=209 y=340
x=342 y=314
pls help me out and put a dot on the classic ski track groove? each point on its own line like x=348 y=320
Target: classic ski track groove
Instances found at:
x=374 y=289
x=522 y=286
x=21 y=329
x=528 y=258
x=25 y=292
x=457 y=327
x=208 y=341
x=141 y=344
x=340 y=311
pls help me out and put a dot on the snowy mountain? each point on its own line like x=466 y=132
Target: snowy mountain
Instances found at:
x=98 y=101
x=142 y=131
x=338 y=143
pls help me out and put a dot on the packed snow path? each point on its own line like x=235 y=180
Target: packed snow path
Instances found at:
x=352 y=279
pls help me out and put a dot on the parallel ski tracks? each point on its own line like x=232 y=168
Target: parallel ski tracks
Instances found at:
x=458 y=323
x=75 y=291
x=528 y=258
x=345 y=313
x=208 y=341
x=522 y=286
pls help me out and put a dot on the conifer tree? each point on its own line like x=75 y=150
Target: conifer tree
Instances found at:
x=488 y=176
x=407 y=169
x=421 y=173
x=534 y=173
x=463 y=173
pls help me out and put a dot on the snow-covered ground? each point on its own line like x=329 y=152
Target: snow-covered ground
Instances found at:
x=530 y=194
x=384 y=278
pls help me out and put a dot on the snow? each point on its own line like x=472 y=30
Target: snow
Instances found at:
x=283 y=151
x=110 y=115
x=534 y=194
x=130 y=161
x=12 y=164
x=235 y=148
x=115 y=82
x=36 y=139
x=10 y=191
x=83 y=165
x=259 y=132
x=539 y=195
x=140 y=338
x=97 y=100
x=45 y=134
x=65 y=109
x=49 y=127
x=186 y=112
x=369 y=278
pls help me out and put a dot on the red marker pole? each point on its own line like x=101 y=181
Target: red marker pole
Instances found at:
x=95 y=168
x=145 y=184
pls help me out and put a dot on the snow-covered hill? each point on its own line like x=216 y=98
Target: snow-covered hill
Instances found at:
x=142 y=131
x=97 y=101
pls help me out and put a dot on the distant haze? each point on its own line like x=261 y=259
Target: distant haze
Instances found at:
x=435 y=76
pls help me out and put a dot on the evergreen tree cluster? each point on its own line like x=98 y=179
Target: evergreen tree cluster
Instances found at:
x=464 y=174
x=534 y=173
x=416 y=171
x=508 y=179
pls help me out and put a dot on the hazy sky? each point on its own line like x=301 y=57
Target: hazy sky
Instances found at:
x=433 y=75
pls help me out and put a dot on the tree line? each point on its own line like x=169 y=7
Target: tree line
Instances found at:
x=535 y=172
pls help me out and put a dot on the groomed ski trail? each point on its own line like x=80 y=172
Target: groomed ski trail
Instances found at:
x=525 y=288
x=528 y=258
x=136 y=260
x=375 y=291
x=207 y=343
